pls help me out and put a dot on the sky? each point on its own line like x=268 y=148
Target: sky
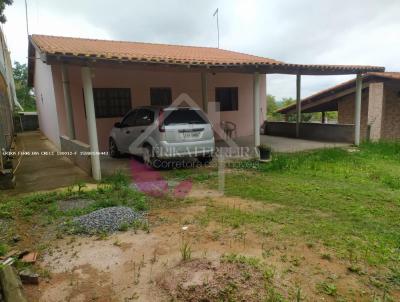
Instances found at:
x=364 y=32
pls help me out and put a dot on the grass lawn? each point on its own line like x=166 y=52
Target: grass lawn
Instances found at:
x=309 y=225
x=348 y=201
x=36 y=219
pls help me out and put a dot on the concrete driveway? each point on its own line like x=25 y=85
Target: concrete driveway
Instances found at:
x=42 y=172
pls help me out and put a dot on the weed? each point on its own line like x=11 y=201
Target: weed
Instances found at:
x=240 y=259
x=81 y=185
x=274 y=296
x=298 y=295
x=310 y=245
x=326 y=256
x=269 y=274
x=118 y=180
x=394 y=276
x=102 y=235
x=123 y=227
x=353 y=268
x=327 y=288
x=3 y=249
x=186 y=251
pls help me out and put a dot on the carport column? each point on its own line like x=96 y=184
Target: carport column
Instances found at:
x=256 y=113
x=323 y=117
x=298 y=104
x=357 y=111
x=204 y=91
x=91 y=122
x=68 y=103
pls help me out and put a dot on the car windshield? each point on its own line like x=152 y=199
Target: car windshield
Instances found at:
x=184 y=116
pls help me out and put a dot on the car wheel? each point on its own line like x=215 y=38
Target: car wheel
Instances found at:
x=148 y=156
x=113 y=149
x=204 y=160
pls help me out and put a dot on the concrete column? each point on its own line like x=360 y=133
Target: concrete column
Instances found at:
x=256 y=105
x=91 y=122
x=204 y=91
x=323 y=117
x=298 y=104
x=357 y=111
x=375 y=110
x=68 y=102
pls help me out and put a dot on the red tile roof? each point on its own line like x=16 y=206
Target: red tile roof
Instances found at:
x=89 y=51
x=137 y=51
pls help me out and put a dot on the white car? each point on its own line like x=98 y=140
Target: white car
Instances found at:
x=163 y=133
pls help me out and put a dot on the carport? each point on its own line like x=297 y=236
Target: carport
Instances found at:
x=87 y=61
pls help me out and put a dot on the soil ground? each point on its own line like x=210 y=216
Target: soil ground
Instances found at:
x=148 y=266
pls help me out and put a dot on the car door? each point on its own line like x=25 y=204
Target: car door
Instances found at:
x=143 y=119
x=125 y=134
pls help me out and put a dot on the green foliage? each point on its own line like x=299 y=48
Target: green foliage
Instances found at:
x=3 y=249
x=345 y=200
x=24 y=93
x=186 y=251
x=394 y=276
x=43 y=207
x=327 y=288
x=118 y=180
x=3 y=4
x=273 y=105
x=240 y=259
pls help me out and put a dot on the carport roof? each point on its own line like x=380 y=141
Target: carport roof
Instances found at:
x=326 y=100
x=78 y=51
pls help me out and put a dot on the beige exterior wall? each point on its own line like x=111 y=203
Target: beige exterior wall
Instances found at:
x=391 y=116
x=46 y=102
x=140 y=81
x=375 y=110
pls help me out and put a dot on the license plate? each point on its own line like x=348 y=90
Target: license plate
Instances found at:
x=191 y=134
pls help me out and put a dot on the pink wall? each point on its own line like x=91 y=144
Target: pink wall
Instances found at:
x=140 y=81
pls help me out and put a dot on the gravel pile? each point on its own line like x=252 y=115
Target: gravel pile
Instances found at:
x=107 y=219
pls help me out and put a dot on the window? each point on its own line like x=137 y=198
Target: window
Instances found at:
x=129 y=120
x=138 y=117
x=184 y=116
x=111 y=102
x=227 y=97
x=144 y=117
x=160 y=96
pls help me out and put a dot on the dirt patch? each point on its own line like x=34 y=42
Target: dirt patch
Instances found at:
x=232 y=202
x=205 y=280
x=141 y=266
x=82 y=283
x=71 y=204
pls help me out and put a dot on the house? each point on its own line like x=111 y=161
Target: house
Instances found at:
x=380 y=110
x=83 y=86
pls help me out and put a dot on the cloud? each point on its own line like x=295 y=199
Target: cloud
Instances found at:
x=308 y=31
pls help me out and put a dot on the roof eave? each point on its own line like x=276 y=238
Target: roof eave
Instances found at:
x=266 y=68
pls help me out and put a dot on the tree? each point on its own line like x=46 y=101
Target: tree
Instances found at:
x=24 y=93
x=3 y=4
x=272 y=106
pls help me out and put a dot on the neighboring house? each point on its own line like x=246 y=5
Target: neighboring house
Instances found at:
x=83 y=86
x=380 y=108
x=8 y=100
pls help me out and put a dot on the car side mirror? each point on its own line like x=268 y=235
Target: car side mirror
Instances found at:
x=118 y=125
